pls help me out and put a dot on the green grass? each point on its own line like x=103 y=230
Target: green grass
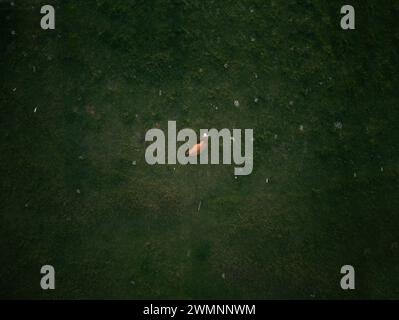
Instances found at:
x=134 y=231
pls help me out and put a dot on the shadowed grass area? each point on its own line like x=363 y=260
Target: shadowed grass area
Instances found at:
x=78 y=194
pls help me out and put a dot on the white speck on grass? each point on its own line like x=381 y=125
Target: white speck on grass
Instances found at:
x=223 y=276
x=267 y=180
x=13 y=32
x=134 y=163
x=78 y=191
x=256 y=100
x=34 y=110
x=338 y=125
x=199 y=206
x=291 y=103
x=382 y=169
x=226 y=65
x=355 y=175
x=236 y=103
x=14 y=89
x=301 y=127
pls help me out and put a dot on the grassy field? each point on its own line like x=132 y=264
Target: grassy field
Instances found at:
x=76 y=192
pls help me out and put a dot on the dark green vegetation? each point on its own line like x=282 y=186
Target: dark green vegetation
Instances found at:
x=71 y=196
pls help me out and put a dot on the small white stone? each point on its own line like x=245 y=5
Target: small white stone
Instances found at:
x=34 y=110
x=252 y=39
x=267 y=180
x=301 y=128
x=134 y=162
x=236 y=103
x=78 y=191
x=223 y=276
x=256 y=100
